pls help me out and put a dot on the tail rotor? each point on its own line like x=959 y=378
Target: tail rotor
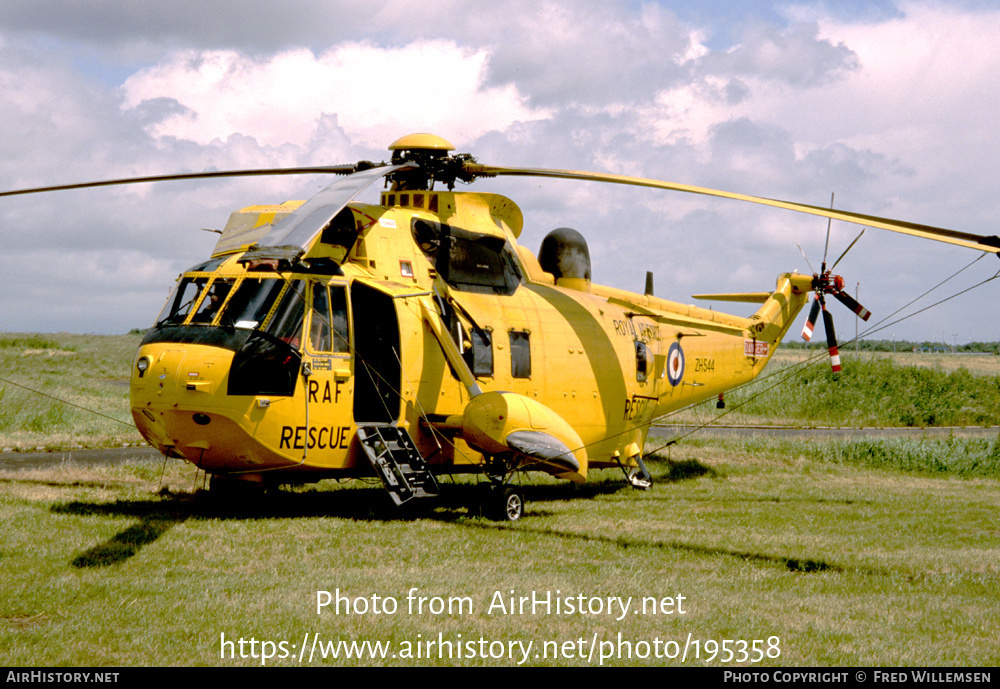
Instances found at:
x=824 y=283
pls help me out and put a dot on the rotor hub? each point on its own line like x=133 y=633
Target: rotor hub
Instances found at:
x=430 y=161
x=828 y=283
x=421 y=142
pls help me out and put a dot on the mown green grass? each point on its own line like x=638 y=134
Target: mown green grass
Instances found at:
x=847 y=564
x=62 y=390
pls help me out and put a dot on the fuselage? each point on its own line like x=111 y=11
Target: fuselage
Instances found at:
x=257 y=371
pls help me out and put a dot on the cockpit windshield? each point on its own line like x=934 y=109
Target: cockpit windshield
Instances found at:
x=272 y=305
x=180 y=302
x=251 y=303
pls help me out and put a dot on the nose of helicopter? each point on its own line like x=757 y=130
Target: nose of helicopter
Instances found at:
x=183 y=404
x=178 y=398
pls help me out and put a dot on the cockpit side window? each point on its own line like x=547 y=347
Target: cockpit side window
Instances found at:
x=320 y=332
x=338 y=305
x=328 y=330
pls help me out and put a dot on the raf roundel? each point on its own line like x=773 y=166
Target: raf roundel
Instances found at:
x=675 y=364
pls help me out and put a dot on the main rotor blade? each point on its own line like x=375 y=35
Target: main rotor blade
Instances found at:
x=966 y=239
x=294 y=234
x=802 y=251
x=826 y=248
x=849 y=247
x=261 y=172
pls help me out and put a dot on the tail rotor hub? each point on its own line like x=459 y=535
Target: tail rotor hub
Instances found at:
x=828 y=283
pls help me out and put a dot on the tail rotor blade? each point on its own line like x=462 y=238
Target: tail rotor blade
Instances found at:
x=827 y=247
x=831 y=340
x=849 y=247
x=807 y=329
x=851 y=303
x=802 y=251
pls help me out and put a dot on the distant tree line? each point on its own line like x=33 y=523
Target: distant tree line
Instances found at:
x=900 y=346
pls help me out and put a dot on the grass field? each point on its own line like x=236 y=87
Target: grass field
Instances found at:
x=778 y=552
x=874 y=390
x=822 y=559
x=42 y=373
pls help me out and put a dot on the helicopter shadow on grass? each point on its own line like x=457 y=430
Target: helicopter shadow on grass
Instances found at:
x=664 y=471
x=155 y=516
x=792 y=564
x=154 y=519
x=459 y=501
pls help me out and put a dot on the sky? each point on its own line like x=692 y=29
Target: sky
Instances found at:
x=889 y=105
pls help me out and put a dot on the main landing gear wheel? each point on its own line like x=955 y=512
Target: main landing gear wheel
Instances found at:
x=235 y=492
x=506 y=503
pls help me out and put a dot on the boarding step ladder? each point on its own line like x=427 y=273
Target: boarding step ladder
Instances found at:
x=398 y=463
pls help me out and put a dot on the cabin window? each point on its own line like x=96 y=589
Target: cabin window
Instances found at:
x=466 y=260
x=643 y=361
x=328 y=329
x=520 y=354
x=479 y=356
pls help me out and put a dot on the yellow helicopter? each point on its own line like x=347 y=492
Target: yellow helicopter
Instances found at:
x=414 y=338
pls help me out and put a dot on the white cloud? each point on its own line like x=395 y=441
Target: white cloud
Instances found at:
x=376 y=94
x=795 y=55
x=894 y=112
